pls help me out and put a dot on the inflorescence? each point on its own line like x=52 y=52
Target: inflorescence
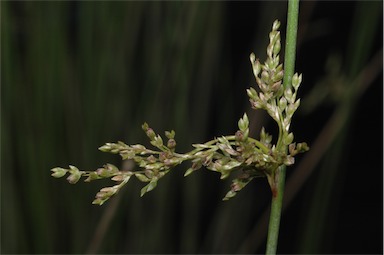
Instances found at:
x=239 y=153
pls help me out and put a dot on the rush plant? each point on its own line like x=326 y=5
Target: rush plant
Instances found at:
x=238 y=155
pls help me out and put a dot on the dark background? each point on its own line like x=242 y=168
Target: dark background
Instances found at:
x=75 y=75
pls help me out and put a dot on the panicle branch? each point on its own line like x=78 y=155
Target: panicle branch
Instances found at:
x=239 y=153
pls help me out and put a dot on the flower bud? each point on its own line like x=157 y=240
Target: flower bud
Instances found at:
x=142 y=178
x=196 y=165
x=302 y=147
x=282 y=103
x=276 y=25
x=92 y=176
x=151 y=185
x=170 y=135
x=239 y=136
x=148 y=173
x=111 y=168
x=74 y=178
x=102 y=172
x=171 y=143
x=276 y=86
x=58 y=172
x=290 y=110
x=256 y=66
x=296 y=80
x=277 y=45
x=288 y=139
x=151 y=159
x=118 y=178
x=278 y=76
x=106 y=147
x=289 y=160
x=150 y=133
x=243 y=122
x=265 y=76
x=98 y=201
x=288 y=95
x=188 y=172
x=292 y=149
x=252 y=93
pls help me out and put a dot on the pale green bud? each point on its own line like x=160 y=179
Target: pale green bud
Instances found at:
x=138 y=148
x=150 y=133
x=277 y=45
x=302 y=147
x=276 y=86
x=278 y=76
x=276 y=25
x=106 y=147
x=150 y=186
x=112 y=169
x=157 y=141
x=75 y=175
x=289 y=160
x=288 y=139
x=252 y=93
x=230 y=194
x=289 y=95
x=292 y=149
x=142 y=178
x=265 y=76
x=92 y=176
x=58 y=172
x=296 y=80
x=151 y=159
x=188 y=172
x=290 y=110
x=118 y=178
x=282 y=103
x=256 y=66
x=98 y=201
x=74 y=178
x=170 y=135
x=243 y=122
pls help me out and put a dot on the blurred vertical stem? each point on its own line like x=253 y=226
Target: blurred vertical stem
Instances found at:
x=289 y=65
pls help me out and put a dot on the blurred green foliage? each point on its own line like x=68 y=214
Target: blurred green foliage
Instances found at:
x=75 y=75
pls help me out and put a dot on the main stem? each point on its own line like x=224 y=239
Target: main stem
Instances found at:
x=274 y=220
x=289 y=66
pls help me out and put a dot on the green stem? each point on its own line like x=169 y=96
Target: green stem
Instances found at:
x=274 y=220
x=279 y=179
x=290 y=46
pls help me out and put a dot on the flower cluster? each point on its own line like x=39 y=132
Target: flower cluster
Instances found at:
x=239 y=153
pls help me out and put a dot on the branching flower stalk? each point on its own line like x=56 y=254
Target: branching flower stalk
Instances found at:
x=236 y=155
